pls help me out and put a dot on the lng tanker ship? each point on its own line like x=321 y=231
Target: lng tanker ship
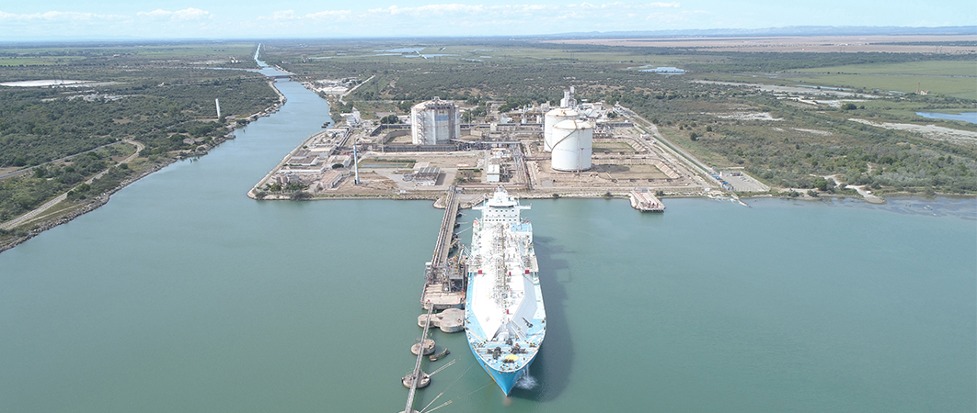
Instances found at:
x=505 y=320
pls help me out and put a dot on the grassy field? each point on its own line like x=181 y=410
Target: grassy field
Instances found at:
x=217 y=53
x=950 y=78
x=620 y=58
x=39 y=60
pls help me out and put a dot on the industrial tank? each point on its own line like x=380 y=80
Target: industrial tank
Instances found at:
x=435 y=122
x=573 y=145
x=552 y=118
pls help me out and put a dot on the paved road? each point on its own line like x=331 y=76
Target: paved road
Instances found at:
x=705 y=170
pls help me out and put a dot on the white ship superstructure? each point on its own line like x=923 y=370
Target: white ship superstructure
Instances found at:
x=505 y=318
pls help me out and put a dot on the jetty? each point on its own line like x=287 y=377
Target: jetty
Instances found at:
x=444 y=276
x=417 y=376
x=444 y=289
x=645 y=201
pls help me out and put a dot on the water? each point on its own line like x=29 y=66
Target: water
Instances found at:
x=181 y=294
x=965 y=116
x=664 y=70
x=403 y=50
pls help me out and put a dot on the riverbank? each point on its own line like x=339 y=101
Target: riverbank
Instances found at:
x=79 y=210
x=38 y=225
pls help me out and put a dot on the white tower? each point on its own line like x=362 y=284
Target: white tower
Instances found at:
x=568 y=101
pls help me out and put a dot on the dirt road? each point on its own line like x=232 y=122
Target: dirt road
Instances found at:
x=36 y=212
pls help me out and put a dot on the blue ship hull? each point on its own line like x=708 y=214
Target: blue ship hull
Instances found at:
x=505 y=321
x=506 y=380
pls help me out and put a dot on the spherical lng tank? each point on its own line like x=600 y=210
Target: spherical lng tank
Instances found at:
x=552 y=118
x=573 y=145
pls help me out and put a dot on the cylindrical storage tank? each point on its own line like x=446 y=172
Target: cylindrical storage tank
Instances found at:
x=573 y=145
x=551 y=119
x=435 y=122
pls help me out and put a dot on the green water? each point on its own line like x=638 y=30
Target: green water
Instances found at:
x=183 y=295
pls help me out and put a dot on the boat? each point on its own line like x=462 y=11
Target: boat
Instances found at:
x=505 y=320
x=439 y=356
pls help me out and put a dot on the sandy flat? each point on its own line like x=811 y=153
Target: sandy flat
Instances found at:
x=940 y=133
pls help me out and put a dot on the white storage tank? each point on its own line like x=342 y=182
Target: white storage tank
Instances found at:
x=435 y=122
x=573 y=145
x=552 y=118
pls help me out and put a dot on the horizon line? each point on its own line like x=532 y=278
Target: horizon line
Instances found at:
x=970 y=30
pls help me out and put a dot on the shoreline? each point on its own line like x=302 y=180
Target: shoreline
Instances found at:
x=102 y=199
x=105 y=197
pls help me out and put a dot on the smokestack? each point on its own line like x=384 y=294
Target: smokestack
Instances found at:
x=356 y=170
x=218 y=103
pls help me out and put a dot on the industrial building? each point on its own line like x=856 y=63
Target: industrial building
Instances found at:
x=424 y=174
x=434 y=122
x=568 y=100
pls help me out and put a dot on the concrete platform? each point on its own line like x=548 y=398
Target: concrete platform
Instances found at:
x=646 y=202
x=427 y=346
x=435 y=295
x=423 y=381
x=451 y=320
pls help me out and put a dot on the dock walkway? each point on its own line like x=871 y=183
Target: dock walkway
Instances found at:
x=443 y=276
x=444 y=287
x=416 y=374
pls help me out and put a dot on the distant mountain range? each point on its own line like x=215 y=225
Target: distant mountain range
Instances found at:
x=780 y=31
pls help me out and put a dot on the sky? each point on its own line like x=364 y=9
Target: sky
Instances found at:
x=230 y=19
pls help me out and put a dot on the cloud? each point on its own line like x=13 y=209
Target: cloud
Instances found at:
x=524 y=12
x=189 y=13
x=531 y=17
x=328 y=14
x=52 y=16
x=430 y=9
x=291 y=15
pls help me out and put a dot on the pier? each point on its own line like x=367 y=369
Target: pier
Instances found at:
x=646 y=201
x=444 y=289
x=412 y=380
x=444 y=278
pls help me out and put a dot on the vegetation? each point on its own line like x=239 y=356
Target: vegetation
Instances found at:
x=160 y=95
x=390 y=119
x=23 y=193
x=39 y=125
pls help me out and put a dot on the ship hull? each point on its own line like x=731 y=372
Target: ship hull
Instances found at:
x=505 y=320
x=506 y=380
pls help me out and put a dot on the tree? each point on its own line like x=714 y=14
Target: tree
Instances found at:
x=821 y=184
